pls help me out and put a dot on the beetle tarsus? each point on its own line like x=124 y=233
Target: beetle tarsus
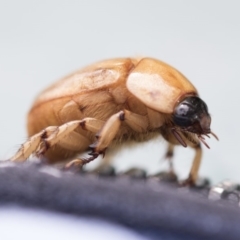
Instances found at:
x=77 y=164
x=89 y=159
x=190 y=181
x=43 y=149
x=187 y=183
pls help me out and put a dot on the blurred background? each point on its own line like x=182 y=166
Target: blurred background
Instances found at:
x=42 y=41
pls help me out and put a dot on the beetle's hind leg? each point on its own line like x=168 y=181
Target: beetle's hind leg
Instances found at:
x=39 y=143
x=32 y=144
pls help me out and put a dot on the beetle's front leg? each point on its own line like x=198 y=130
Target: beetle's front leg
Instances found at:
x=193 y=175
x=193 y=142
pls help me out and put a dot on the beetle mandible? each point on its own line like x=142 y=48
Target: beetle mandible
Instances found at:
x=115 y=100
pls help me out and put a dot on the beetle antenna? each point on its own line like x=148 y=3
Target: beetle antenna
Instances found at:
x=207 y=135
x=216 y=137
x=179 y=137
x=201 y=138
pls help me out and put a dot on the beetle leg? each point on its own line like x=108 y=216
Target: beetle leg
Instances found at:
x=60 y=132
x=110 y=129
x=39 y=143
x=138 y=123
x=89 y=124
x=32 y=144
x=77 y=164
x=193 y=175
x=169 y=137
x=191 y=141
x=169 y=157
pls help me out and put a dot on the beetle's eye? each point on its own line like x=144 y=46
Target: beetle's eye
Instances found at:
x=182 y=115
x=189 y=111
x=182 y=110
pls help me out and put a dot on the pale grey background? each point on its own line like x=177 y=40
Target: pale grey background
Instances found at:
x=41 y=41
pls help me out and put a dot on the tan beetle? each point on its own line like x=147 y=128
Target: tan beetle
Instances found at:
x=115 y=100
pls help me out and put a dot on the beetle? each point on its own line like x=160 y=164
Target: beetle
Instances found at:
x=112 y=101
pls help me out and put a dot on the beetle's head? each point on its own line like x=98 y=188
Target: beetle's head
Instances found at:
x=191 y=115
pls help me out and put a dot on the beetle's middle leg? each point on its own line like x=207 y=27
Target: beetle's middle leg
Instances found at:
x=110 y=130
x=169 y=156
x=171 y=140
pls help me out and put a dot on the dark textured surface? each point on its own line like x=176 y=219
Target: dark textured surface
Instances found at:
x=153 y=208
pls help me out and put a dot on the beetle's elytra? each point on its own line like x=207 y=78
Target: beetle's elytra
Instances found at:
x=115 y=100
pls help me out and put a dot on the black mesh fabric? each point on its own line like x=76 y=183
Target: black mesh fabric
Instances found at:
x=151 y=208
